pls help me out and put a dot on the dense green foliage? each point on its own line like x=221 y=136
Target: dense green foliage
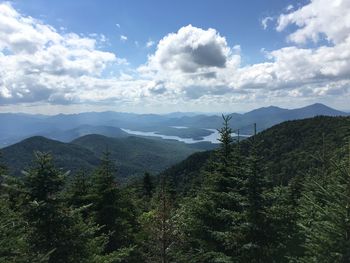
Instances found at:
x=136 y=155
x=282 y=195
x=72 y=157
x=288 y=150
x=133 y=155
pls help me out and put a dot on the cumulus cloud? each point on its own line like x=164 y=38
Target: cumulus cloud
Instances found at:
x=193 y=66
x=123 y=38
x=190 y=50
x=296 y=71
x=319 y=69
x=192 y=63
x=206 y=67
x=319 y=18
x=36 y=61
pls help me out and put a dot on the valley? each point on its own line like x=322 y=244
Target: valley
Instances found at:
x=174 y=131
x=199 y=127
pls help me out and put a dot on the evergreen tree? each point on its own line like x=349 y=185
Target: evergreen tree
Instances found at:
x=55 y=230
x=255 y=215
x=77 y=193
x=158 y=228
x=13 y=233
x=210 y=223
x=43 y=182
x=111 y=210
x=13 y=229
x=147 y=186
x=3 y=169
x=325 y=215
x=283 y=239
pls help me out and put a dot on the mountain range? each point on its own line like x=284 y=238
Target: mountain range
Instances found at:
x=67 y=127
x=290 y=150
x=133 y=155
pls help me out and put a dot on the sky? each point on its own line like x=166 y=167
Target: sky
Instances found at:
x=160 y=56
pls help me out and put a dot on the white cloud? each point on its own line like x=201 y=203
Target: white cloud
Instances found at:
x=265 y=21
x=36 y=61
x=311 y=72
x=291 y=71
x=123 y=38
x=190 y=50
x=192 y=68
x=192 y=62
x=317 y=19
x=289 y=8
x=118 y=25
x=150 y=43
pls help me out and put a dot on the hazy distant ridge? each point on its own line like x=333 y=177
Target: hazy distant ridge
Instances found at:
x=67 y=127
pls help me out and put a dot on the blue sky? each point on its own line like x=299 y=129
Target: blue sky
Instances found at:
x=141 y=21
x=233 y=55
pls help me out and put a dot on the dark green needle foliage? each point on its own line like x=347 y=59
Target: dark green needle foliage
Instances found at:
x=210 y=222
x=282 y=195
x=147 y=186
x=55 y=230
x=111 y=209
x=325 y=215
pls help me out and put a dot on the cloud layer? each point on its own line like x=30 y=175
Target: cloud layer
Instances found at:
x=309 y=72
x=192 y=66
x=39 y=64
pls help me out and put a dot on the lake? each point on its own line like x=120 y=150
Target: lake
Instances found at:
x=213 y=137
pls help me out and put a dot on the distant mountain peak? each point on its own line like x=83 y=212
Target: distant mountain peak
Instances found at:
x=266 y=110
x=272 y=107
x=320 y=109
x=317 y=105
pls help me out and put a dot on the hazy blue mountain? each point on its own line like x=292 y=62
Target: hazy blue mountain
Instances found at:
x=270 y=116
x=179 y=114
x=64 y=127
x=69 y=135
x=315 y=109
x=264 y=117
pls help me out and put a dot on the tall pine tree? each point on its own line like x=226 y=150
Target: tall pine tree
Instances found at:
x=255 y=215
x=110 y=208
x=210 y=222
x=325 y=214
x=56 y=231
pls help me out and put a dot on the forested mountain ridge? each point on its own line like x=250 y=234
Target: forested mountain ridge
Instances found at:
x=82 y=130
x=257 y=200
x=65 y=127
x=294 y=147
x=133 y=155
x=68 y=156
x=288 y=149
x=264 y=117
x=139 y=154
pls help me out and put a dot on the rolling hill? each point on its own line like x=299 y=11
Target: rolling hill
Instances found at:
x=288 y=149
x=66 y=127
x=67 y=156
x=82 y=130
x=133 y=155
